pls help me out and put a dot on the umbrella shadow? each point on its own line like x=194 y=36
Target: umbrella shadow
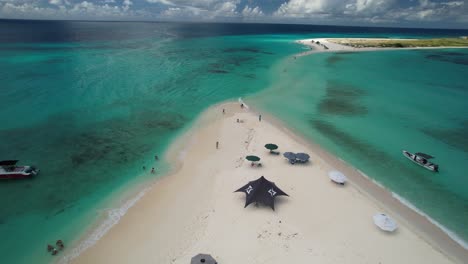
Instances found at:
x=386 y=233
x=299 y=163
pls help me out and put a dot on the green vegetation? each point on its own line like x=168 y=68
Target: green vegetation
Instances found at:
x=403 y=43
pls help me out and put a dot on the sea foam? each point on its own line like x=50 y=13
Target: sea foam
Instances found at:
x=113 y=217
x=450 y=233
x=242 y=102
x=402 y=200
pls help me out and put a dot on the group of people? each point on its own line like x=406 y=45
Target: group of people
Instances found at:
x=238 y=121
x=54 y=251
x=152 y=169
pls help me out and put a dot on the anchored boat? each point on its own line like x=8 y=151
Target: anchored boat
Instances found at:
x=422 y=159
x=9 y=170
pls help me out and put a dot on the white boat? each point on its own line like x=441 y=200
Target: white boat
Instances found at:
x=422 y=159
x=9 y=170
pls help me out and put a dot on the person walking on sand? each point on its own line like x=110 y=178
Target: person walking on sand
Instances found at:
x=217 y=144
x=242 y=105
x=224 y=111
x=260 y=118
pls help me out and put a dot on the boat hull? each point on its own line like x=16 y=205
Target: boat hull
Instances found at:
x=430 y=166
x=14 y=176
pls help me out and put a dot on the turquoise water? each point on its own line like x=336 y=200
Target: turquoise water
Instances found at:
x=91 y=103
x=367 y=107
x=90 y=117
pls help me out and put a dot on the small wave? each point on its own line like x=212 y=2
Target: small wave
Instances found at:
x=242 y=102
x=372 y=180
x=113 y=217
x=405 y=202
x=450 y=233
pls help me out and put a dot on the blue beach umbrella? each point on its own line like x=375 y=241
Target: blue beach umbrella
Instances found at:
x=302 y=157
x=289 y=155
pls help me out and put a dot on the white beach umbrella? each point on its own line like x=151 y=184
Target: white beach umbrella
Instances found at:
x=337 y=177
x=384 y=222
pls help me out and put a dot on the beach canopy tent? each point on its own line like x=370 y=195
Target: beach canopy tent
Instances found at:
x=337 y=177
x=424 y=155
x=8 y=162
x=203 y=259
x=290 y=156
x=252 y=158
x=302 y=157
x=271 y=147
x=261 y=191
x=384 y=222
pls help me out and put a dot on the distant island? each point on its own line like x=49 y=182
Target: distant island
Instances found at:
x=401 y=43
x=371 y=44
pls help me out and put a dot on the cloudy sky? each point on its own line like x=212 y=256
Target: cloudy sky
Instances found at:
x=400 y=13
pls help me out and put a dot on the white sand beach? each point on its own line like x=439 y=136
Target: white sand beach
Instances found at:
x=318 y=45
x=195 y=210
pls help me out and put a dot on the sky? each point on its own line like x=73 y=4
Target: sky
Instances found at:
x=398 y=13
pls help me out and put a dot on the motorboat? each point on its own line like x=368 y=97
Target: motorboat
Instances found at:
x=9 y=170
x=422 y=159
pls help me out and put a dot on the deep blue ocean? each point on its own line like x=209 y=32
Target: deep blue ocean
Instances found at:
x=91 y=103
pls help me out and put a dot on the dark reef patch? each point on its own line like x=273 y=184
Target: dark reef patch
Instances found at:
x=341 y=99
x=456 y=137
x=218 y=71
x=246 y=49
x=451 y=57
x=343 y=139
x=332 y=60
x=250 y=76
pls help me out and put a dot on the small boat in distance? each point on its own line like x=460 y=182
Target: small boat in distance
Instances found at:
x=422 y=159
x=9 y=170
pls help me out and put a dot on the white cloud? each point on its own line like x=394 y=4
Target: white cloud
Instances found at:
x=314 y=8
x=126 y=5
x=428 y=11
x=207 y=10
x=64 y=9
x=346 y=12
x=371 y=11
x=249 y=12
x=184 y=3
x=55 y=2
